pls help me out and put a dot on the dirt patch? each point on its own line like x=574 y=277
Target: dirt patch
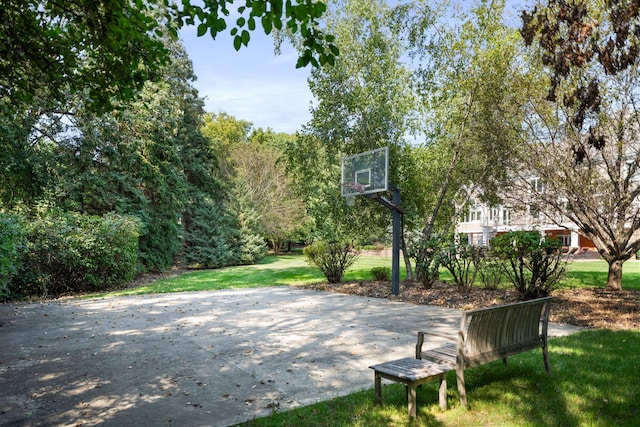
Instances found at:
x=586 y=307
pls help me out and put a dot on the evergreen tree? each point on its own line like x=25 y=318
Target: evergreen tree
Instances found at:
x=145 y=159
x=250 y=246
x=210 y=240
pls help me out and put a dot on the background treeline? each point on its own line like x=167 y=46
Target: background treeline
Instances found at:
x=207 y=190
x=89 y=200
x=461 y=96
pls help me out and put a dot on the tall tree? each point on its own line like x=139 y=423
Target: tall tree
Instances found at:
x=364 y=102
x=315 y=172
x=263 y=178
x=468 y=89
x=253 y=170
x=25 y=165
x=584 y=141
x=144 y=159
x=225 y=132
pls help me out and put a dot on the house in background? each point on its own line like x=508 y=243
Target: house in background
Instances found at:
x=481 y=223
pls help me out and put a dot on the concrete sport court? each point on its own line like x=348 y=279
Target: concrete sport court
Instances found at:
x=198 y=359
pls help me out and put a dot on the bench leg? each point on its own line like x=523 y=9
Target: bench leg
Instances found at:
x=411 y=397
x=442 y=393
x=378 y=387
x=461 y=388
x=545 y=356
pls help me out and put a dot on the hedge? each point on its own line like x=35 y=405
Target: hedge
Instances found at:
x=68 y=253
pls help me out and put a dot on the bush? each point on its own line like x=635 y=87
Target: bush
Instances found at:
x=377 y=247
x=461 y=259
x=70 y=253
x=490 y=270
x=331 y=258
x=532 y=264
x=426 y=253
x=159 y=241
x=381 y=273
x=12 y=247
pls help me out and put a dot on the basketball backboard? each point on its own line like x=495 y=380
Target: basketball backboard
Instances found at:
x=365 y=173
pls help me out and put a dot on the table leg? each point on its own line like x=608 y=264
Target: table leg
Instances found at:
x=411 y=397
x=378 y=387
x=442 y=392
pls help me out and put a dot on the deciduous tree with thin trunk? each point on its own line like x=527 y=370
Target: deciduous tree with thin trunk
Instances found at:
x=279 y=209
x=584 y=140
x=467 y=86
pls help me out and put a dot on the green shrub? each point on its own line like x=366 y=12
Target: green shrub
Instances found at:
x=12 y=248
x=381 y=273
x=114 y=250
x=377 y=247
x=490 y=270
x=532 y=264
x=426 y=254
x=70 y=253
x=461 y=259
x=331 y=258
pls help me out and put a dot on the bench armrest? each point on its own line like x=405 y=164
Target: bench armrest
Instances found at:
x=421 y=335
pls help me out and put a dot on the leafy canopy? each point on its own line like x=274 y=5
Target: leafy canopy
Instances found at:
x=106 y=49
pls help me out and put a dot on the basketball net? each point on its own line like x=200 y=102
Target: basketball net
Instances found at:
x=351 y=198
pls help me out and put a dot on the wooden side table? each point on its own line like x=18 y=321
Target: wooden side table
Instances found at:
x=411 y=372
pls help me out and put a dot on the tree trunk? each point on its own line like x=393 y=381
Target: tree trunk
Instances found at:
x=614 y=278
x=405 y=256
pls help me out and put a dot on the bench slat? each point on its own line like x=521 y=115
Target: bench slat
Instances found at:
x=409 y=369
x=445 y=355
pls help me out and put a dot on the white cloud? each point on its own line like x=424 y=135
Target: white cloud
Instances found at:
x=251 y=84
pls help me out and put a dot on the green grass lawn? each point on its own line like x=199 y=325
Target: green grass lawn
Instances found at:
x=285 y=270
x=594 y=274
x=278 y=270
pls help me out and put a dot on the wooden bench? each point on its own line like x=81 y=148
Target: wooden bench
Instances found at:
x=411 y=372
x=489 y=334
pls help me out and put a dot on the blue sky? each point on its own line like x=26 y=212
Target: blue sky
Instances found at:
x=255 y=85
x=252 y=84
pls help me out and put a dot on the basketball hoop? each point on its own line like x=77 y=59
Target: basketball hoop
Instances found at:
x=350 y=196
x=358 y=187
x=367 y=174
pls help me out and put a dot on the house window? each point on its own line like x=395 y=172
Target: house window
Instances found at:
x=537 y=185
x=473 y=213
x=506 y=217
x=564 y=239
x=534 y=212
x=465 y=215
x=476 y=213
